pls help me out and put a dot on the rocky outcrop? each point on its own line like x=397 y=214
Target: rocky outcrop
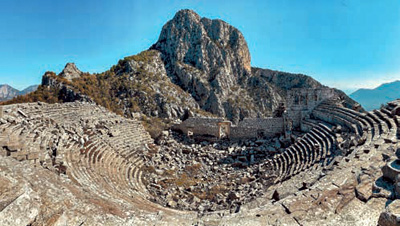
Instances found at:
x=70 y=72
x=207 y=58
x=153 y=91
x=212 y=46
x=66 y=92
x=283 y=81
x=210 y=60
x=391 y=217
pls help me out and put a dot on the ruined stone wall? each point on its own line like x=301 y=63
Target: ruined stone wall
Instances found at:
x=247 y=128
x=301 y=101
x=253 y=127
x=200 y=126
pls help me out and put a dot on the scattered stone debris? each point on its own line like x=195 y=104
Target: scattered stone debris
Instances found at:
x=208 y=176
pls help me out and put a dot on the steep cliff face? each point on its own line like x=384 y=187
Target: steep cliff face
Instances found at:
x=208 y=59
x=147 y=86
x=212 y=46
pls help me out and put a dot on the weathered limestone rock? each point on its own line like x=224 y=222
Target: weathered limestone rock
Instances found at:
x=70 y=72
x=364 y=191
x=391 y=170
x=391 y=217
x=28 y=203
x=205 y=57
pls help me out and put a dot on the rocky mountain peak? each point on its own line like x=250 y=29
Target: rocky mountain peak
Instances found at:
x=7 y=92
x=206 y=57
x=208 y=45
x=70 y=72
x=186 y=14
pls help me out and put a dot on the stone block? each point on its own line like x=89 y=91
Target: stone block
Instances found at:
x=364 y=191
x=14 y=154
x=391 y=170
x=391 y=216
x=33 y=156
x=21 y=157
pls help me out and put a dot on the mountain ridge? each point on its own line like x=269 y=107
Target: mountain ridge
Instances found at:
x=8 y=92
x=373 y=98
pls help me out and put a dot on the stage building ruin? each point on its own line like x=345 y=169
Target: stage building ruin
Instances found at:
x=299 y=105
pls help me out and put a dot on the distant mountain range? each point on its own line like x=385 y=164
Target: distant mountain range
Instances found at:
x=7 y=92
x=373 y=98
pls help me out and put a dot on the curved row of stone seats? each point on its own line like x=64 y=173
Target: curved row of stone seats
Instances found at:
x=315 y=147
x=351 y=115
x=392 y=110
x=393 y=107
x=383 y=115
x=79 y=172
x=391 y=127
x=64 y=109
x=336 y=119
x=118 y=173
x=128 y=144
x=307 y=124
x=109 y=175
x=130 y=140
x=372 y=124
x=317 y=144
x=365 y=123
x=382 y=123
x=107 y=161
x=397 y=121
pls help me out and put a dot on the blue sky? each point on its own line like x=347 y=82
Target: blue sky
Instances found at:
x=346 y=44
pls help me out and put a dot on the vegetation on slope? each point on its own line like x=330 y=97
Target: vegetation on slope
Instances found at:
x=124 y=89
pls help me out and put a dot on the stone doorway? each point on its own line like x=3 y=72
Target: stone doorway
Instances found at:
x=224 y=129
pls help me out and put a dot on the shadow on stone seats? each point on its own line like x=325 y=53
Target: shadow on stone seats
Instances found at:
x=384 y=188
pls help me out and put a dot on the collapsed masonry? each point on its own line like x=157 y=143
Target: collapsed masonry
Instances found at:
x=300 y=103
x=330 y=175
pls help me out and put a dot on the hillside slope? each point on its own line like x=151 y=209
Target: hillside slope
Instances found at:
x=7 y=92
x=373 y=98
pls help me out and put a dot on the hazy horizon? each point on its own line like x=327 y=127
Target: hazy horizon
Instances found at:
x=345 y=44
